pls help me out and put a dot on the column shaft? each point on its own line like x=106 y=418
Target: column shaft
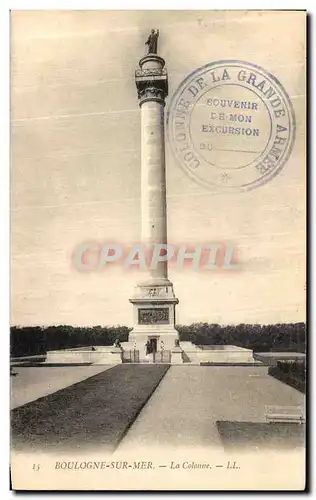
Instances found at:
x=153 y=180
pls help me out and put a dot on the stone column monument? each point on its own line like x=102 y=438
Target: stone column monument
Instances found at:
x=154 y=300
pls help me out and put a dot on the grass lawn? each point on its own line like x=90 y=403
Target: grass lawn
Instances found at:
x=258 y=436
x=95 y=412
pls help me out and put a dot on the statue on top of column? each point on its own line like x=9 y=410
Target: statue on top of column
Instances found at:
x=152 y=42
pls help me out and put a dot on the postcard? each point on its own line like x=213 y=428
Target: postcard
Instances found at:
x=158 y=250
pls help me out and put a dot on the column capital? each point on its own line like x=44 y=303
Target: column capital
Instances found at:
x=151 y=79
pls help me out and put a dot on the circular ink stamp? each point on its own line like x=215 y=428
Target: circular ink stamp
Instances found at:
x=231 y=124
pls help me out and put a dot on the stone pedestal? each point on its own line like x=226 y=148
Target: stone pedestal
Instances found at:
x=154 y=316
x=154 y=299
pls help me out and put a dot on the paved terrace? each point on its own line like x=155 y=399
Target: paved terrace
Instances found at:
x=190 y=399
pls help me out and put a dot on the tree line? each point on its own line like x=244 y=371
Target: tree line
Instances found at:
x=260 y=338
x=32 y=340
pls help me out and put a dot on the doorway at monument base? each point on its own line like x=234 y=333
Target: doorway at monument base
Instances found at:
x=156 y=339
x=141 y=355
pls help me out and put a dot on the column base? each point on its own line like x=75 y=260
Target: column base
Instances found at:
x=154 y=304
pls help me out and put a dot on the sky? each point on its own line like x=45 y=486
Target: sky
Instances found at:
x=75 y=167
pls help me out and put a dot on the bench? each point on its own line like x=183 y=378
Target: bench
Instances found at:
x=295 y=414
